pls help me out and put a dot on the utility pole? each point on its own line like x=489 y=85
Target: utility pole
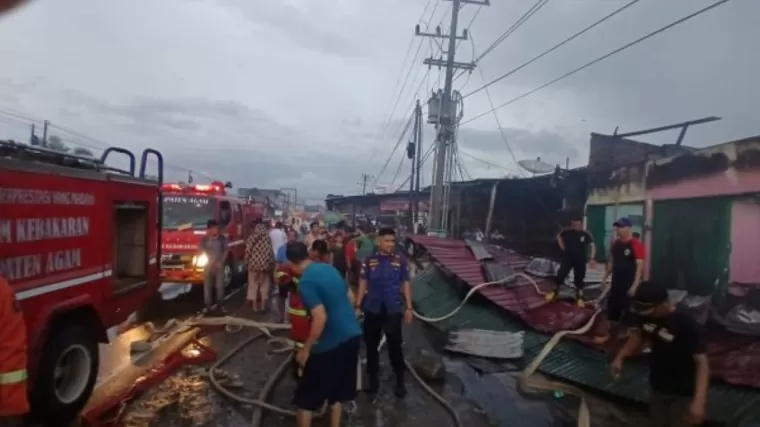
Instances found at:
x=418 y=160
x=365 y=181
x=44 y=133
x=447 y=116
x=412 y=153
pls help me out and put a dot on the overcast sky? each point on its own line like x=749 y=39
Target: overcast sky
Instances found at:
x=296 y=93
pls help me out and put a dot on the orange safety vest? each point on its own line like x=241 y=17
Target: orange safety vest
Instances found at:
x=13 y=349
x=300 y=324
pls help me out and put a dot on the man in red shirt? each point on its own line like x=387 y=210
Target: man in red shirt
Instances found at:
x=626 y=266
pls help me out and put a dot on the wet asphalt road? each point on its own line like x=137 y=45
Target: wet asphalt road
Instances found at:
x=187 y=399
x=483 y=393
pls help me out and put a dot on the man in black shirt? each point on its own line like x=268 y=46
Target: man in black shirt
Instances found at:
x=679 y=372
x=576 y=244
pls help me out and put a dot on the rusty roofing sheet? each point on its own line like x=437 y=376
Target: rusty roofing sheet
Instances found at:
x=733 y=358
x=578 y=363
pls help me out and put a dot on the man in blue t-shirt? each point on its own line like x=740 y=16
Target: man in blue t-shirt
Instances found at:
x=331 y=353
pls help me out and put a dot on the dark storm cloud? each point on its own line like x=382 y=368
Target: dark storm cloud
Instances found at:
x=306 y=27
x=294 y=93
x=522 y=140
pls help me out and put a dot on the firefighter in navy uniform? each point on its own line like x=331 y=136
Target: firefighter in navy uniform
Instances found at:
x=14 y=404
x=385 y=298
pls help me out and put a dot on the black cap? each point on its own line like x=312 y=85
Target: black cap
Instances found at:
x=212 y=223
x=649 y=295
x=622 y=222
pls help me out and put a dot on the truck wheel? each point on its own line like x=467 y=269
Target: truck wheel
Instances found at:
x=66 y=376
x=228 y=273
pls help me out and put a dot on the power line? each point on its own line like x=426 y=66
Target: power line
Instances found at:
x=424 y=159
x=398 y=97
x=485 y=162
x=398 y=170
x=395 y=148
x=512 y=153
x=523 y=19
x=555 y=47
x=600 y=59
x=95 y=144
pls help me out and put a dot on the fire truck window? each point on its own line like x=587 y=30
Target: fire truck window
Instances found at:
x=130 y=264
x=188 y=211
x=225 y=213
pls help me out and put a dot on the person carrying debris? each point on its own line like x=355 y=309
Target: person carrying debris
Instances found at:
x=330 y=353
x=679 y=372
x=214 y=246
x=626 y=267
x=385 y=297
x=578 y=249
x=13 y=346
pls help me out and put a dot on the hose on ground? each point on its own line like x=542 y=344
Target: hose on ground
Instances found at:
x=527 y=381
x=286 y=345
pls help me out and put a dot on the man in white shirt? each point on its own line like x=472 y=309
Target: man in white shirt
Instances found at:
x=278 y=237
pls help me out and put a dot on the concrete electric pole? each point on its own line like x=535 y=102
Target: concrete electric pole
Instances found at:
x=446 y=120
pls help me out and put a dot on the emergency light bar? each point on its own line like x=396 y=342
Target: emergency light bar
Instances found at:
x=213 y=188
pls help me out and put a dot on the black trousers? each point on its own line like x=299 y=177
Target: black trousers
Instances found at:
x=578 y=266
x=375 y=324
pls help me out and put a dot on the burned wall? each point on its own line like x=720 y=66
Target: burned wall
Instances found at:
x=742 y=156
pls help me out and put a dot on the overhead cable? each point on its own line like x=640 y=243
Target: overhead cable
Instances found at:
x=599 y=59
x=555 y=47
x=395 y=148
x=523 y=19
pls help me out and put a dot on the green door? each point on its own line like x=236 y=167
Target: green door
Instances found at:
x=691 y=243
x=595 y=225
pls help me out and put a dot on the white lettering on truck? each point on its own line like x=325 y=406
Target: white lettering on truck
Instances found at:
x=35 y=229
x=26 y=230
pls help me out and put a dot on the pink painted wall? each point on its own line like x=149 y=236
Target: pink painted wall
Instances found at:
x=745 y=234
x=720 y=184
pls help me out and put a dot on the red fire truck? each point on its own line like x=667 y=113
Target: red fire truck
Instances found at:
x=186 y=210
x=79 y=245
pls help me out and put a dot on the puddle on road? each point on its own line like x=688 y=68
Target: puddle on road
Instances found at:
x=498 y=396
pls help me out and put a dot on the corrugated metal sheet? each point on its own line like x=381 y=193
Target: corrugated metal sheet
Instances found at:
x=479 y=250
x=572 y=361
x=733 y=358
x=520 y=297
x=486 y=343
x=498 y=271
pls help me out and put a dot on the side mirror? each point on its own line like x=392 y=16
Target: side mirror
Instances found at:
x=228 y=184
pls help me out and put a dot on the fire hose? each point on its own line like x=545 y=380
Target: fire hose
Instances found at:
x=527 y=380
x=286 y=345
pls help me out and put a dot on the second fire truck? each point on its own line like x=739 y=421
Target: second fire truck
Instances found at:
x=186 y=211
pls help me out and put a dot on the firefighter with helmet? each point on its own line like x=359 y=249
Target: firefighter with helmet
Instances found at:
x=13 y=358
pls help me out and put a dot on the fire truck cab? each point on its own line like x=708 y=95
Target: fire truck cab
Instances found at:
x=79 y=245
x=186 y=211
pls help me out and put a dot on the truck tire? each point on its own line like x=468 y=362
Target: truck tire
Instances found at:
x=66 y=375
x=229 y=273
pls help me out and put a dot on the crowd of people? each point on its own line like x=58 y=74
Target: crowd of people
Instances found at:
x=334 y=286
x=327 y=279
